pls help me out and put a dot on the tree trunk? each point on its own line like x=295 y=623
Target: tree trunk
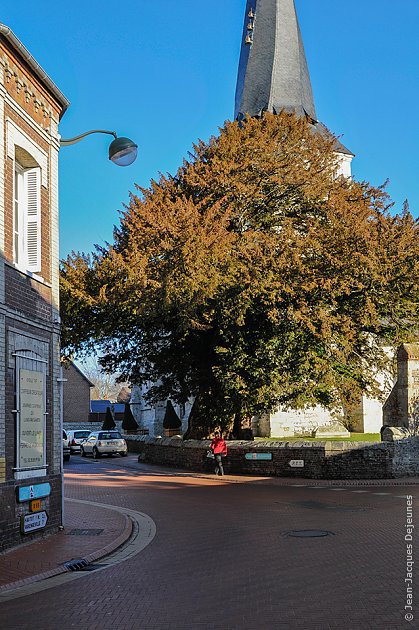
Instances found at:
x=242 y=427
x=199 y=424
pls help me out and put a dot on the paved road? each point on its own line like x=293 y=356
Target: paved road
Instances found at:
x=222 y=557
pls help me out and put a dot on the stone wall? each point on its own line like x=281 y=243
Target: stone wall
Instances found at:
x=406 y=456
x=89 y=426
x=321 y=460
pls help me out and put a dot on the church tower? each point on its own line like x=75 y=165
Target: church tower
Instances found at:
x=273 y=72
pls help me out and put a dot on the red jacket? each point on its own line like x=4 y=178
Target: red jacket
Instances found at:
x=219 y=446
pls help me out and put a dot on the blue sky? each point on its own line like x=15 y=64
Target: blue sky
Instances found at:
x=163 y=72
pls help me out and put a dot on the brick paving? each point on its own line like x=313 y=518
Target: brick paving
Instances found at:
x=45 y=558
x=222 y=558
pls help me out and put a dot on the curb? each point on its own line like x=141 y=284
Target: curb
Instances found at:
x=92 y=557
x=294 y=481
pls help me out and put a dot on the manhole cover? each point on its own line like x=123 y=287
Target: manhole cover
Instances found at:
x=309 y=533
x=85 y=532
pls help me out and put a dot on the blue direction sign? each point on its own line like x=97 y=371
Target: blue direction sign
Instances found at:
x=259 y=456
x=37 y=491
x=32 y=522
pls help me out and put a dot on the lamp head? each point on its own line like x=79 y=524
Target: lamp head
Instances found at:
x=123 y=151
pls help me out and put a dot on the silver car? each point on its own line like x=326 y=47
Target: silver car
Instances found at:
x=104 y=443
x=75 y=439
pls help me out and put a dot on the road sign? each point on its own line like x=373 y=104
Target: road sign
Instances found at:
x=35 y=505
x=37 y=491
x=297 y=463
x=32 y=522
x=259 y=456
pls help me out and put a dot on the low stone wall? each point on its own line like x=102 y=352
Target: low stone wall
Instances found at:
x=88 y=426
x=97 y=426
x=406 y=457
x=321 y=460
x=82 y=426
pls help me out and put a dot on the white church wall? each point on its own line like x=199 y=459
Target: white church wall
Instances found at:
x=372 y=415
x=372 y=408
x=344 y=165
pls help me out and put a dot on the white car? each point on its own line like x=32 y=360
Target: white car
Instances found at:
x=66 y=448
x=75 y=438
x=104 y=443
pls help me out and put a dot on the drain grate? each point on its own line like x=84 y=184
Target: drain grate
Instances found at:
x=82 y=565
x=84 y=532
x=76 y=565
x=309 y=533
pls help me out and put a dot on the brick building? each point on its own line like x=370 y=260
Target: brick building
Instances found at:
x=30 y=435
x=76 y=394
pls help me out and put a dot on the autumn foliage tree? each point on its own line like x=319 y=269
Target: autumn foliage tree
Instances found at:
x=255 y=277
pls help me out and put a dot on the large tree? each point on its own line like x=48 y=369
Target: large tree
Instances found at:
x=255 y=277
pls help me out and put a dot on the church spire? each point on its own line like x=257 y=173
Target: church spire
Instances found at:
x=273 y=72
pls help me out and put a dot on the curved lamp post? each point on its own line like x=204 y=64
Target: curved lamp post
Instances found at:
x=122 y=151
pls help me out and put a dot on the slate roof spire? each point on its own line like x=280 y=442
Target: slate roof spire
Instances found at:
x=273 y=72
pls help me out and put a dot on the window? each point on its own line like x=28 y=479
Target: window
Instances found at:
x=27 y=218
x=81 y=434
x=109 y=436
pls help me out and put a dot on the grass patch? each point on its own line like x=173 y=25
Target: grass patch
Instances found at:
x=355 y=437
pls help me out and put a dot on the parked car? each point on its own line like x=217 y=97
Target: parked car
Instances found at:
x=75 y=438
x=66 y=448
x=104 y=443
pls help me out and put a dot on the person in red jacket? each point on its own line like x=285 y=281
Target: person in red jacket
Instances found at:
x=219 y=448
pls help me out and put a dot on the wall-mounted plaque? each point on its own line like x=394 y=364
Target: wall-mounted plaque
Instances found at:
x=31 y=419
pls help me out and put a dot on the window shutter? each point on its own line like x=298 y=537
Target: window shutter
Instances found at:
x=33 y=218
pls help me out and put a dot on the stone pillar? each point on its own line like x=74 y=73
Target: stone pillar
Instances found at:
x=136 y=404
x=405 y=393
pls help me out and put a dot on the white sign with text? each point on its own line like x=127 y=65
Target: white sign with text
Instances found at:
x=297 y=463
x=31 y=419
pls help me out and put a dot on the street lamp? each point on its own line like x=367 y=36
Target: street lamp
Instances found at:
x=122 y=151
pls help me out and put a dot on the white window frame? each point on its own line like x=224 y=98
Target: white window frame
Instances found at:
x=27 y=218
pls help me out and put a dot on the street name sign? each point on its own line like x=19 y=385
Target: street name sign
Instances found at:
x=297 y=463
x=37 y=491
x=259 y=456
x=32 y=522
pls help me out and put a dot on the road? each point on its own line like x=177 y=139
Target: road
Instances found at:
x=223 y=558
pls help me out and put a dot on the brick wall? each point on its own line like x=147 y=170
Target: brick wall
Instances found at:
x=26 y=295
x=11 y=512
x=322 y=460
x=29 y=115
x=76 y=391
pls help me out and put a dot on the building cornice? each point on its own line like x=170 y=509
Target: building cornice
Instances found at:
x=39 y=72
